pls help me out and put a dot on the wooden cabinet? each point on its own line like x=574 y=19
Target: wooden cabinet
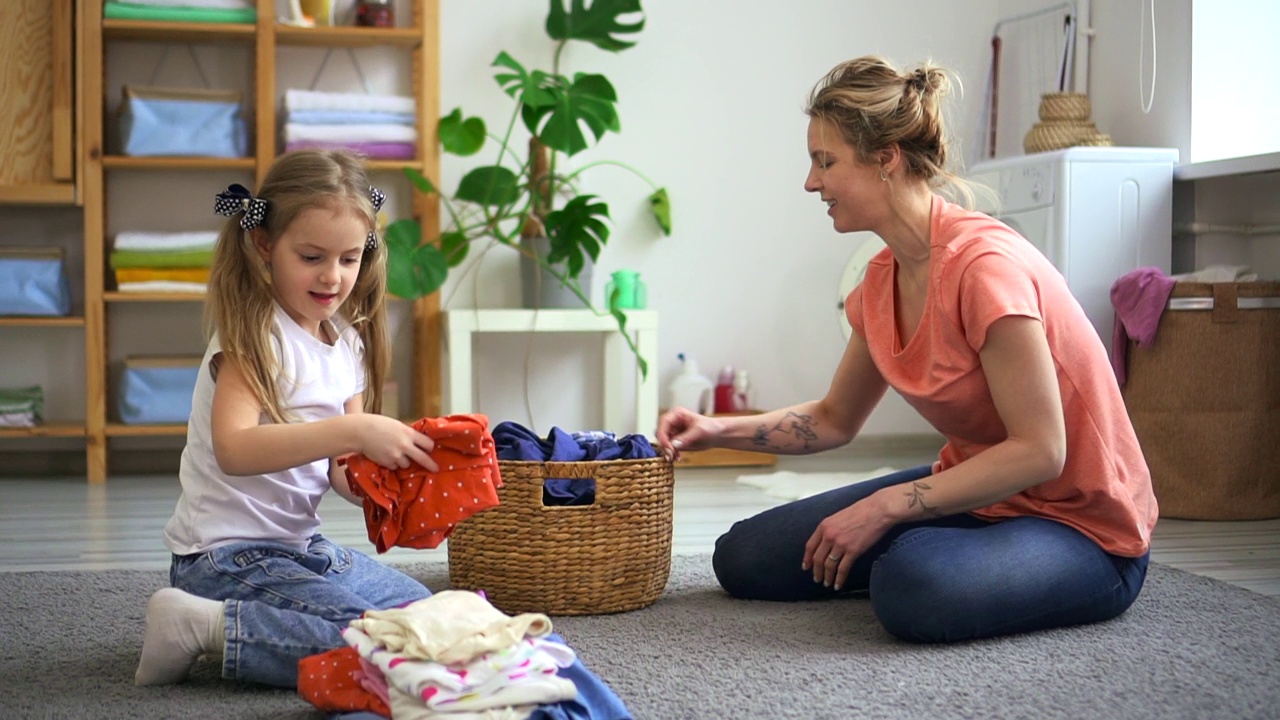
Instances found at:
x=418 y=34
x=39 y=144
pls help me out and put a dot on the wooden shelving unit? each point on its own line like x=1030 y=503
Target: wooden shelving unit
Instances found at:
x=418 y=34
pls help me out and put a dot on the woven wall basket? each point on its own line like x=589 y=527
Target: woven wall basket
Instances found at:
x=609 y=557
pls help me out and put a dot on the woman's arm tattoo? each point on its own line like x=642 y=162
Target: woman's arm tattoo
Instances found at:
x=916 y=497
x=800 y=426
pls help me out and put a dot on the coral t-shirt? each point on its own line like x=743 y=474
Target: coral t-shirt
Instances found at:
x=980 y=271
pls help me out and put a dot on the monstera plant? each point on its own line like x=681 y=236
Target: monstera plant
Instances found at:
x=524 y=193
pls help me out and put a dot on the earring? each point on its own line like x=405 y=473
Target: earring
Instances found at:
x=884 y=175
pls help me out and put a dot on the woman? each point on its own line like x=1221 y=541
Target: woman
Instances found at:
x=1039 y=510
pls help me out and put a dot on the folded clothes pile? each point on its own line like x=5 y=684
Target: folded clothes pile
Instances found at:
x=21 y=407
x=376 y=126
x=163 y=262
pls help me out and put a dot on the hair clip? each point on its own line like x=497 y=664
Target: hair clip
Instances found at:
x=377 y=197
x=237 y=199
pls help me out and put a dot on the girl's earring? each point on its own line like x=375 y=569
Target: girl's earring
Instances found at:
x=884 y=175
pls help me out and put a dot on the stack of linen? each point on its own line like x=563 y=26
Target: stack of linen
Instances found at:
x=452 y=655
x=207 y=11
x=376 y=126
x=163 y=262
x=21 y=407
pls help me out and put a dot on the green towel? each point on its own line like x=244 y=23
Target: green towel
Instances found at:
x=129 y=11
x=171 y=259
x=22 y=400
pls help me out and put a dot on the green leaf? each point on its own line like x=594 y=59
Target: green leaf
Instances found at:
x=461 y=136
x=528 y=88
x=589 y=100
x=454 y=245
x=577 y=230
x=413 y=269
x=489 y=185
x=596 y=25
x=420 y=181
x=661 y=206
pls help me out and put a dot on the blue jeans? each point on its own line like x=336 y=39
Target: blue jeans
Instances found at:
x=942 y=580
x=282 y=605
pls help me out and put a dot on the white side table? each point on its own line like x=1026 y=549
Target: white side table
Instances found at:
x=619 y=364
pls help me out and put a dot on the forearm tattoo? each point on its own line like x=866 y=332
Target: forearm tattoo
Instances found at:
x=802 y=427
x=915 y=498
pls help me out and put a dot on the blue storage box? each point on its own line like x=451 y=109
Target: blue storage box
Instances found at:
x=188 y=122
x=33 y=282
x=158 y=389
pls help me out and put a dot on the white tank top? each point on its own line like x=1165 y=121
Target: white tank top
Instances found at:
x=315 y=382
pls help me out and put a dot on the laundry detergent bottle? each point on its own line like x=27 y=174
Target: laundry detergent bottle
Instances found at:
x=689 y=389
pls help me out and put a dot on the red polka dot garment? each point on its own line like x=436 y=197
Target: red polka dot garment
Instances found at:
x=416 y=508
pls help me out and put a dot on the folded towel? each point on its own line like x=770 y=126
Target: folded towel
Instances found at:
x=137 y=275
x=149 y=241
x=295 y=100
x=29 y=399
x=350 y=117
x=373 y=151
x=19 y=419
x=162 y=286
x=222 y=4
x=161 y=259
x=350 y=133
x=132 y=11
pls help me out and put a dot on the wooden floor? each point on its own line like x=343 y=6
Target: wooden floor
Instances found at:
x=65 y=524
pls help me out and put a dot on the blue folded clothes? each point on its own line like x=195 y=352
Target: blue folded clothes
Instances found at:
x=514 y=441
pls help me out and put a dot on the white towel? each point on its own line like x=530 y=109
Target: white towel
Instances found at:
x=312 y=100
x=163 y=286
x=203 y=240
x=795 y=486
x=349 y=133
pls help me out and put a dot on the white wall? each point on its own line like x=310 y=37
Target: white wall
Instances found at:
x=711 y=101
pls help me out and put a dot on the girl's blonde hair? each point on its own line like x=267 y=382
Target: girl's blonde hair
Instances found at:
x=240 y=303
x=875 y=106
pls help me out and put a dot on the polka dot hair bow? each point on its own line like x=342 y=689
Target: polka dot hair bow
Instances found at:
x=377 y=197
x=237 y=199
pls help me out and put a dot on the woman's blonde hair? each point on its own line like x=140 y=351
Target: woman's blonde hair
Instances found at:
x=875 y=106
x=240 y=303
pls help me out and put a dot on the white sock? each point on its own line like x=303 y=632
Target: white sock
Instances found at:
x=180 y=628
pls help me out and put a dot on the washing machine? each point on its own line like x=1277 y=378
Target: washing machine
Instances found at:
x=1095 y=212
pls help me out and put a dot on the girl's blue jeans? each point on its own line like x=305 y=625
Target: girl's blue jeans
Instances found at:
x=282 y=604
x=942 y=580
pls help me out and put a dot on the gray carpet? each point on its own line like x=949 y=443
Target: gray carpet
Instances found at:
x=1190 y=647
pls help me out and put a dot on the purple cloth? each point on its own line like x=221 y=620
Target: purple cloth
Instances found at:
x=371 y=150
x=1139 y=299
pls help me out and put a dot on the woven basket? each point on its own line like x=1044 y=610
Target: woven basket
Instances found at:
x=1065 y=106
x=609 y=557
x=1204 y=399
x=1057 y=134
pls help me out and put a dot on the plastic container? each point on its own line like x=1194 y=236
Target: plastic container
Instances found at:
x=724 y=390
x=689 y=389
x=632 y=293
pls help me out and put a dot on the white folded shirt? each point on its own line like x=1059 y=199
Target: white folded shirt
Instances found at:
x=144 y=241
x=313 y=100
x=350 y=133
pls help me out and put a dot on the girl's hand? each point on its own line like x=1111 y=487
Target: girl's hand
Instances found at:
x=681 y=429
x=393 y=444
x=841 y=538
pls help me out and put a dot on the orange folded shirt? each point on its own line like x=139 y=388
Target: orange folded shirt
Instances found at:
x=329 y=682
x=413 y=507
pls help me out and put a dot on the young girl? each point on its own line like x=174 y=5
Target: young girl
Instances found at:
x=290 y=381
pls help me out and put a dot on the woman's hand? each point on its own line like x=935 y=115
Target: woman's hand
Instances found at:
x=393 y=444
x=681 y=429
x=842 y=537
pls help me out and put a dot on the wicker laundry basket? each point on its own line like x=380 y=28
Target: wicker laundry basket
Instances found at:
x=608 y=557
x=1205 y=402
